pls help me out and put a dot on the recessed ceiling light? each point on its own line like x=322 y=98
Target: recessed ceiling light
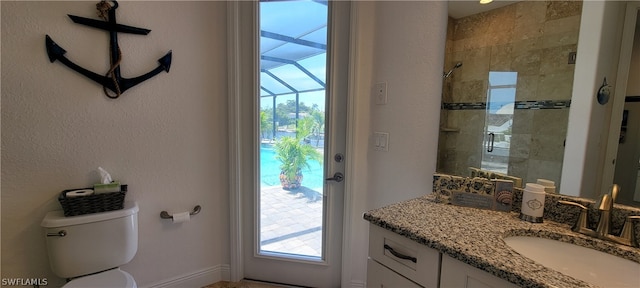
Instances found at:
x=485 y=1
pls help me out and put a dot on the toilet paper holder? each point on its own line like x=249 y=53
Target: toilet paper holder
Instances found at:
x=165 y=214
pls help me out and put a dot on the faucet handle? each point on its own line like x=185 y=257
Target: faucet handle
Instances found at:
x=581 y=223
x=628 y=233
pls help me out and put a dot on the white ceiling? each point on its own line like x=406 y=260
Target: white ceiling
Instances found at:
x=464 y=8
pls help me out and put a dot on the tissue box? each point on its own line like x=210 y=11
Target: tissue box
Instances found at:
x=106 y=188
x=95 y=203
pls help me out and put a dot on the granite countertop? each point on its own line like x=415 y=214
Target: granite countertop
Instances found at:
x=474 y=236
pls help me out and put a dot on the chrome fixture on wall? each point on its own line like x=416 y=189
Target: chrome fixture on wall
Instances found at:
x=447 y=74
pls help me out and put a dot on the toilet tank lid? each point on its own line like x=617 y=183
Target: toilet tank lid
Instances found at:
x=57 y=219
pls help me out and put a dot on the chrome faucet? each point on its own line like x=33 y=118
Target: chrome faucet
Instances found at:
x=603 y=231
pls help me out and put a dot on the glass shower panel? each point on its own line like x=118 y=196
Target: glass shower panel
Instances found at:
x=501 y=95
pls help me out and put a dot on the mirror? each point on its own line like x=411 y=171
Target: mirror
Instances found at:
x=507 y=87
x=627 y=166
x=465 y=130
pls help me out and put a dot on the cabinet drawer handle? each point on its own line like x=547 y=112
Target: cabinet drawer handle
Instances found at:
x=60 y=233
x=399 y=255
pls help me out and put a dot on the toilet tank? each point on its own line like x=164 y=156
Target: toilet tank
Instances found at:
x=85 y=244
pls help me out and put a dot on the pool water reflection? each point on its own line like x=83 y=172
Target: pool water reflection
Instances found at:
x=270 y=171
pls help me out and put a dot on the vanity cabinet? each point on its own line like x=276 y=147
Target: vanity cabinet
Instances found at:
x=396 y=261
x=396 y=254
x=379 y=276
x=458 y=274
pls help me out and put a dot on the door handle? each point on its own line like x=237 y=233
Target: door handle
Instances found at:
x=338 y=177
x=491 y=139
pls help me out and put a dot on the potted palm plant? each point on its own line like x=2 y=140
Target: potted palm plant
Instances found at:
x=294 y=154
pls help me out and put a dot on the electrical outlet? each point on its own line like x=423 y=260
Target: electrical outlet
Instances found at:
x=572 y=57
x=380 y=93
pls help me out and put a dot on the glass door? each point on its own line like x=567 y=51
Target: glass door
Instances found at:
x=292 y=126
x=501 y=95
x=297 y=208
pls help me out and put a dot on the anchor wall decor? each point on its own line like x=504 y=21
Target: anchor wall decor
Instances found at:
x=112 y=80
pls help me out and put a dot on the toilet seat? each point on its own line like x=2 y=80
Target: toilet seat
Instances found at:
x=107 y=279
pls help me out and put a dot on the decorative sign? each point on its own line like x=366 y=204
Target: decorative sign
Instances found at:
x=112 y=80
x=461 y=198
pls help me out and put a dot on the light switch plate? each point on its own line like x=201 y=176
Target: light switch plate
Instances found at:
x=380 y=141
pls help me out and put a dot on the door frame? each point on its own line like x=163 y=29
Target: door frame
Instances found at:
x=242 y=81
x=239 y=13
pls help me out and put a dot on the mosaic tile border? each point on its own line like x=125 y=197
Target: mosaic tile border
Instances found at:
x=542 y=104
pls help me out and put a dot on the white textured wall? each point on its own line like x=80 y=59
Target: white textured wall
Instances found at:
x=401 y=43
x=166 y=138
x=408 y=54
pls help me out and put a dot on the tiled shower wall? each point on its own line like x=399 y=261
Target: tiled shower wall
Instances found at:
x=533 y=38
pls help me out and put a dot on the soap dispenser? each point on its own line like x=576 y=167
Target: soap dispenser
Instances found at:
x=532 y=203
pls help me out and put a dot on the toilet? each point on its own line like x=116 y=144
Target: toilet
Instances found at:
x=88 y=249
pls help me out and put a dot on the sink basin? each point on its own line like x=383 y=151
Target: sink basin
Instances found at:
x=589 y=265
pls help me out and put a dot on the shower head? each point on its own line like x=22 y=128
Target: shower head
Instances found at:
x=447 y=74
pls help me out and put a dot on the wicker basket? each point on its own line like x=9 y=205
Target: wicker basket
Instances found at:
x=95 y=203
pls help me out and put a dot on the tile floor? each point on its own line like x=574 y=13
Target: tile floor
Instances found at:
x=291 y=221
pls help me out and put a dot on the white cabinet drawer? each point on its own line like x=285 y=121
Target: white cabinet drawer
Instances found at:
x=404 y=256
x=379 y=276
x=458 y=274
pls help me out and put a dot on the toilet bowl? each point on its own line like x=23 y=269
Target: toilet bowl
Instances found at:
x=89 y=248
x=108 y=279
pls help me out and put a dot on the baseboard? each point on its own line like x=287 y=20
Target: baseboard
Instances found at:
x=195 y=279
x=357 y=284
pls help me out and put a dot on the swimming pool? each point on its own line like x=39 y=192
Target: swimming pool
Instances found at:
x=270 y=171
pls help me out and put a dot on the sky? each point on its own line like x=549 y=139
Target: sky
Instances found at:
x=306 y=20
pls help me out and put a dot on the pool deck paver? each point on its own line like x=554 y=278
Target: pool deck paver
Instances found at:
x=291 y=221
